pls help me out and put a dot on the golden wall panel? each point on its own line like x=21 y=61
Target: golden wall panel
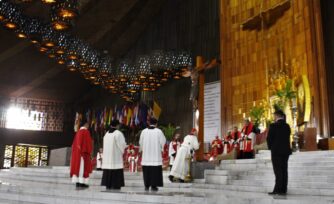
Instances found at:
x=247 y=55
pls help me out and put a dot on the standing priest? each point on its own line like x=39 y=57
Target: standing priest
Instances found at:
x=152 y=141
x=81 y=156
x=279 y=144
x=113 y=146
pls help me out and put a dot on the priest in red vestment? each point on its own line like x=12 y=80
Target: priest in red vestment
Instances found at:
x=81 y=156
x=246 y=130
x=216 y=148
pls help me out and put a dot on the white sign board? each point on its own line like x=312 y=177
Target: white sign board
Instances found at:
x=212 y=116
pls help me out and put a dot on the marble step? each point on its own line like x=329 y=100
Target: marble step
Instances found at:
x=93 y=182
x=299 y=184
x=90 y=196
x=292 y=173
x=293 y=177
x=268 y=160
x=306 y=153
x=252 y=167
x=264 y=189
x=320 y=162
x=322 y=182
x=175 y=187
x=204 y=196
x=95 y=175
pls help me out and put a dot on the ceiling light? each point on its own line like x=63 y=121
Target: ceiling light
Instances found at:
x=49 y=1
x=21 y=35
x=10 y=25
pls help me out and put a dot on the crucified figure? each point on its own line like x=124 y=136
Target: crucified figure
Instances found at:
x=193 y=73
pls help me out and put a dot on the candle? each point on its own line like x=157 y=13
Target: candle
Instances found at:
x=244 y=115
x=239 y=110
x=254 y=103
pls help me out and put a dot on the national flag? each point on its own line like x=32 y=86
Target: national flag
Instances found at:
x=156 y=110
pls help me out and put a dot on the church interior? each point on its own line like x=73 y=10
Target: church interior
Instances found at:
x=224 y=68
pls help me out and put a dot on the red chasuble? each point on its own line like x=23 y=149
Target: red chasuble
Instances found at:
x=82 y=147
x=247 y=129
x=217 y=147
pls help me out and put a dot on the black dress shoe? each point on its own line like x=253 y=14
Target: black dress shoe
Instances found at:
x=154 y=189
x=273 y=193
x=77 y=185
x=282 y=194
x=171 y=178
x=84 y=185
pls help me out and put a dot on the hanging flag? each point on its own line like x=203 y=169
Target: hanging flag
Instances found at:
x=110 y=116
x=125 y=115
x=102 y=118
x=105 y=119
x=93 y=119
x=129 y=115
x=136 y=115
x=156 y=110
x=88 y=116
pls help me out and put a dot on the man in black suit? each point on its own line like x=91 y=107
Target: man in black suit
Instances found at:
x=279 y=143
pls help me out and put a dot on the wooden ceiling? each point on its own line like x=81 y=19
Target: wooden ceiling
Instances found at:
x=108 y=25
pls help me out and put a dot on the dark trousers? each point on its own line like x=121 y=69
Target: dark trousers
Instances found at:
x=152 y=176
x=280 y=165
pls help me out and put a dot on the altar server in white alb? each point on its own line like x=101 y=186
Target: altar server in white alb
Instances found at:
x=113 y=148
x=173 y=148
x=180 y=166
x=152 y=141
x=99 y=157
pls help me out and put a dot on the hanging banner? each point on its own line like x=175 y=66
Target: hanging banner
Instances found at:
x=212 y=111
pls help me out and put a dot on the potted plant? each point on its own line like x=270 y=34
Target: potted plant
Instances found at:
x=169 y=131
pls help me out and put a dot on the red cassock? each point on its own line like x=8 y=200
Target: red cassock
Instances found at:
x=248 y=145
x=227 y=144
x=235 y=137
x=217 y=147
x=82 y=147
x=132 y=158
x=247 y=129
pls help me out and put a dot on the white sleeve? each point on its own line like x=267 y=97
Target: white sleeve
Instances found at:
x=171 y=149
x=120 y=140
x=195 y=143
x=162 y=140
x=141 y=141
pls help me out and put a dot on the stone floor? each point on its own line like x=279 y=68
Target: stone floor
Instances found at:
x=229 y=183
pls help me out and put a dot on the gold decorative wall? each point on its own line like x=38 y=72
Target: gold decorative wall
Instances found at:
x=263 y=43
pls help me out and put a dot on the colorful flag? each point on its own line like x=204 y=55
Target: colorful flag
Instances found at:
x=129 y=115
x=156 y=110
x=110 y=116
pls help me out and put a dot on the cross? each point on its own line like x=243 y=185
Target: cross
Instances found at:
x=266 y=18
x=197 y=95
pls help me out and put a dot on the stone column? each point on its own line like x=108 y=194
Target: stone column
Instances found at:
x=2 y=154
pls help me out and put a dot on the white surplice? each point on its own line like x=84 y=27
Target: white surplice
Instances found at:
x=151 y=143
x=172 y=151
x=113 y=148
x=99 y=157
x=180 y=165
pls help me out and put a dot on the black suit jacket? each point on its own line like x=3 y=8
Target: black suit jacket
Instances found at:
x=279 y=138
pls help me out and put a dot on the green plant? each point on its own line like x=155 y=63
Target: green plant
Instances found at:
x=256 y=114
x=169 y=131
x=285 y=95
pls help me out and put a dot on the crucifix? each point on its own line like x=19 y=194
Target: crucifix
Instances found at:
x=197 y=75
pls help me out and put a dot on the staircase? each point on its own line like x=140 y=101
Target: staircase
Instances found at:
x=310 y=173
x=235 y=181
